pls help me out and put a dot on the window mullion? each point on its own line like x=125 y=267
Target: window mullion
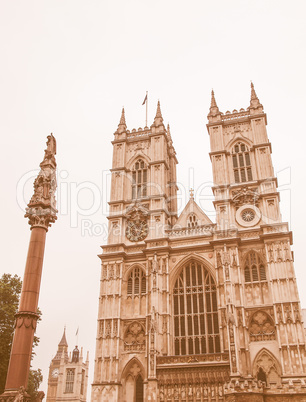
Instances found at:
x=205 y=312
x=186 y=314
x=198 y=318
x=212 y=318
x=192 y=312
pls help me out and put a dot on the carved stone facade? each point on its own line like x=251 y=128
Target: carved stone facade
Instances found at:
x=192 y=310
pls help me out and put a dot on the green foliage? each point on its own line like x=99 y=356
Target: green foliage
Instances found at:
x=35 y=378
x=10 y=289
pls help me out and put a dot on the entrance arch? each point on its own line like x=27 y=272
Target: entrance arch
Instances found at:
x=132 y=381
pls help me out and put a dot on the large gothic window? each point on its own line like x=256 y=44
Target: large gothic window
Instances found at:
x=241 y=163
x=196 y=327
x=69 y=380
x=139 y=179
x=254 y=270
x=136 y=282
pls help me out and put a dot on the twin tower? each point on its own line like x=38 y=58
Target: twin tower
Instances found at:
x=191 y=310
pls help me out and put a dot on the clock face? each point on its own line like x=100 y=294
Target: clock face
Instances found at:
x=137 y=230
x=55 y=373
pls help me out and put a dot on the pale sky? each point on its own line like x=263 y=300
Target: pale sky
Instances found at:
x=68 y=67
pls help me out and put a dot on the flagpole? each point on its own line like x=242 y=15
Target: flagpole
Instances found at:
x=77 y=336
x=147 y=109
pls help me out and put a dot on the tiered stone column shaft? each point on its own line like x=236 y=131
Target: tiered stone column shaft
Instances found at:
x=41 y=212
x=26 y=317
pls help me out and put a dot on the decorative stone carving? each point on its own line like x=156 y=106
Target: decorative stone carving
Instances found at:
x=261 y=327
x=41 y=210
x=134 y=338
x=245 y=196
x=248 y=215
x=137 y=226
x=29 y=320
x=279 y=251
x=266 y=368
x=20 y=395
x=296 y=310
x=139 y=145
x=288 y=313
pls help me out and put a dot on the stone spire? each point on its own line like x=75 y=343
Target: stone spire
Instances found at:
x=213 y=102
x=62 y=350
x=63 y=341
x=253 y=93
x=168 y=132
x=255 y=105
x=214 y=112
x=122 y=124
x=158 y=118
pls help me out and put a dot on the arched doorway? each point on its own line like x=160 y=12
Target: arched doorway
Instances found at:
x=132 y=382
x=139 y=389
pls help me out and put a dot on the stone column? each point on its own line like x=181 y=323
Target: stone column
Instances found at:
x=41 y=212
x=26 y=317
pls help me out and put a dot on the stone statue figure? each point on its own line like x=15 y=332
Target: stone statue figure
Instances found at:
x=50 y=152
x=51 y=144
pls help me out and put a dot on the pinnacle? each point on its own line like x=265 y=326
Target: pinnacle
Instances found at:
x=122 y=123
x=158 y=118
x=213 y=110
x=169 y=133
x=158 y=111
x=63 y=341
x=122 y=119
x=213 y=100
x=254 y=102
x=253 y=93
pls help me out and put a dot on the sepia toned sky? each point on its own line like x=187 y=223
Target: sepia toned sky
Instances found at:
x=68 y=67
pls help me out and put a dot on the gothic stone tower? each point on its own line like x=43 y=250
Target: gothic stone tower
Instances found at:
x=68 y=375
x=190 y=310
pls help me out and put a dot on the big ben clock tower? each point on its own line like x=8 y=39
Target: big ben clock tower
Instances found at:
x=68 y=375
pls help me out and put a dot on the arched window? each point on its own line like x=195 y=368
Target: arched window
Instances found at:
x=139 y=180
x=254 y=270
x=136 y=282
x=192 y=221
x=69 y=380
x=267 y=369
x=196 y=326
x=241 y=163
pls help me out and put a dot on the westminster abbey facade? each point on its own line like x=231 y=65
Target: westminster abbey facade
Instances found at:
x=191 y=310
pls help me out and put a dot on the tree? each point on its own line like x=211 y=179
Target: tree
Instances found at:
x=10 y=289
x=35 y=378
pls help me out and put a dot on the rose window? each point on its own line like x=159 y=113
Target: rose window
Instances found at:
x=248 y=215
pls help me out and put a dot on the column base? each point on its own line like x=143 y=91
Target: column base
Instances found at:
x=20 y=395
